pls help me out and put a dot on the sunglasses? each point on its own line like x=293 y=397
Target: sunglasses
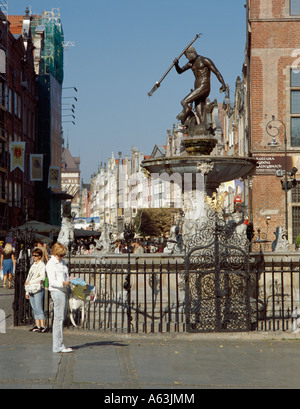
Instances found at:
x=36 y=255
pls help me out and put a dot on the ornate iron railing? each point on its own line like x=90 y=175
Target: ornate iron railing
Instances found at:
x=218 y=276
x=158 y=295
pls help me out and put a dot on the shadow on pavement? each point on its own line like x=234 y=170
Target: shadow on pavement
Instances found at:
x=99 y=344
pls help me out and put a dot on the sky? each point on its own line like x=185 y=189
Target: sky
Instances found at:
x=121 y=48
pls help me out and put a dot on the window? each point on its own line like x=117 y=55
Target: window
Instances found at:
x=295 y=107
x=10 y=101
x=295 y=7
x=16 y=103
x=295 y=131
x=2 y=124
x=2 y=93
x=295 y=102
x=10 y=193
x=19 y=106
x=33 y=126
x=2 y=186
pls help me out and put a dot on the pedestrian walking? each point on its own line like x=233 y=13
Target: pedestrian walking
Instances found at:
x=59 y=282
x=8 y=262
x=34 y=287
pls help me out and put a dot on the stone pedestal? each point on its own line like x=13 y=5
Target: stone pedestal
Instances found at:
x=201 y=145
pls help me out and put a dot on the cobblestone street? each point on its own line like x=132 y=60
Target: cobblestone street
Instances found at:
x=162 y=361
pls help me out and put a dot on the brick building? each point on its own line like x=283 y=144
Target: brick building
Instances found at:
x=17 y=120
x=272 y=80
x=35 y=85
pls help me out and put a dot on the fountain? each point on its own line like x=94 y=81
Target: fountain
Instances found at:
x=195 y=168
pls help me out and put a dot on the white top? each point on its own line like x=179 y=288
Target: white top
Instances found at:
x=57 y=273
x=36 y=274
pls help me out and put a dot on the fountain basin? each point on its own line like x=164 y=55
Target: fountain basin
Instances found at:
x=220 y=168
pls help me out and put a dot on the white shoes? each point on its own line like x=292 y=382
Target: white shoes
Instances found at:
x=66 y=350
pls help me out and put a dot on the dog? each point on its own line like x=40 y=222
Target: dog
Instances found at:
x=79 y=297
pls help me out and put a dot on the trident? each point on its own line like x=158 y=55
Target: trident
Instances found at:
x=157 y=84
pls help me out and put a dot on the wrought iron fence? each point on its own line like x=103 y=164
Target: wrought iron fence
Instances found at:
x=157 y=296
x=275 y=294
x=149 y=299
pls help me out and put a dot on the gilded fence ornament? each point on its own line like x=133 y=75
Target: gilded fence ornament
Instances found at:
x=216 y=202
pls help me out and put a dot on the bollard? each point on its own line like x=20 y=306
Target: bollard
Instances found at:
x=2 y=322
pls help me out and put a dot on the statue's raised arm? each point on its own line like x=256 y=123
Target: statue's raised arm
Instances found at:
x=157 y=84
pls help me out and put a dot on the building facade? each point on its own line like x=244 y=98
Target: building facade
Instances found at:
x=31 y=76
x=17 y=119
x=85 y=199
x=272 y=80
x=234 y=117
x=120 y=188
x=70 y=181
x=49 y=116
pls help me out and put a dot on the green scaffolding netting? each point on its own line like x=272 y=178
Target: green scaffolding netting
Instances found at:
x=53 y=52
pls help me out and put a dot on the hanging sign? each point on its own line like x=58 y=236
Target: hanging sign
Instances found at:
x=17 y=155
x=54 y=176
x=36 y=167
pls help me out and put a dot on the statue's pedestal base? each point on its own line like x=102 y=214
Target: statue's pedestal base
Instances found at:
x=199 y=145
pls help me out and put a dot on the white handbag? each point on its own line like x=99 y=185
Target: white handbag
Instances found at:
x=33 y=288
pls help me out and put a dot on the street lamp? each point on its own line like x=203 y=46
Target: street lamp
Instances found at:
x=69 y=109
x=70 y=97
x=26 y=238
x=63 y=116
x=71 y=88
x=68 y=121
x=73 y=106
x=128 y=237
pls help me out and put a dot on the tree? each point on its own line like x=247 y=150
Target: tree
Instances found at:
x=155 y=222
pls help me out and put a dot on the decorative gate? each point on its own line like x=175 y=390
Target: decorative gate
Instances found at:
x=217 y=277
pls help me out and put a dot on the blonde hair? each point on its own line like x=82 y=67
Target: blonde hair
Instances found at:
x=58 y=249
x=8 y=248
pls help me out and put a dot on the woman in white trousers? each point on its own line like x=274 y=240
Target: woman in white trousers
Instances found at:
x=59 y=282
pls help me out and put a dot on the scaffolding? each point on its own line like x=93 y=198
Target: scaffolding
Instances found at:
x=4 y=7
x=53 y=52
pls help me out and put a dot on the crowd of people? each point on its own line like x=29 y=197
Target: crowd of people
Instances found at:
x=139 y=247
x=88 y=246
x=9 y=254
